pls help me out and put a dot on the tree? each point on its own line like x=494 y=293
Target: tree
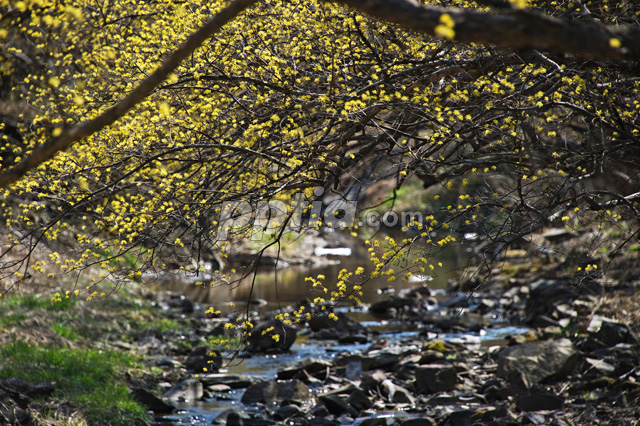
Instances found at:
x=535 y=128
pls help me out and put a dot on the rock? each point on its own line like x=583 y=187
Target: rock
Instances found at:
x=533 y=419
x=611 y=333
x=538 y=360
x=600 y=366
x=11 y=413
x=557 y=235
x=429 y=356
x=234 y=381
x=372 y=380
x=287 y=411
x=539 y=400
x=219 y=388
x=353 y=371
x=321 y=421
x=16 y=386
x=343 y=324
x=486 y=305
x=310 y=367
x=359 y=400
x=202 y=359
x=461 y=418
x=186 y=390
x=419 y=421
x=436 y=378
x=544 y=296
x=337 y=405
x=268 y=392
x=460 y=300
x=396 y=394
x=392 y=303
x=374 y=421
x=353 y=339
x=152 y=402
x=230 y=417
x=272 y=337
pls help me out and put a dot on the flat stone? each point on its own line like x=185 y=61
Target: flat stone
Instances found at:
x=538 y=360
x=267 y=392
x=234 y=381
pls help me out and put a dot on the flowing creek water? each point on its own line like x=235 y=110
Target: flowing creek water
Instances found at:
x=282 y=287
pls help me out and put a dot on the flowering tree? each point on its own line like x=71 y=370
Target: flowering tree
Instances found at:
x=125 y=138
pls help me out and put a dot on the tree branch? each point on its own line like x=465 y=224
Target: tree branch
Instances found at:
x=82 y=130
x=517 y=29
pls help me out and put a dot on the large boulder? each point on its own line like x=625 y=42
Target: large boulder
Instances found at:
x=271 y=337
x=539 y=360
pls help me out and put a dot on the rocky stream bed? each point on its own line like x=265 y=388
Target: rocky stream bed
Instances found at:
x=520 y=349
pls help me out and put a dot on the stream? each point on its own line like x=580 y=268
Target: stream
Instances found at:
x=291 y=287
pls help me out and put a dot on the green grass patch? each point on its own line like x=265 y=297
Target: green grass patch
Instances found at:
x=65 y=330
x=86 y=378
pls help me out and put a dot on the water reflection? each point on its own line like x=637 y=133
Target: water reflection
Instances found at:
x=278 y=287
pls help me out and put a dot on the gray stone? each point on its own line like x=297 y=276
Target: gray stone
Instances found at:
x=372 y=380
x=436 y=378
x=234 y=381
x=533 y=419
x=353 y=371
x=396 y=394
x=262 y=337
x=270 y=391
x=311 y=367
x=186 y=390
x=539 y=360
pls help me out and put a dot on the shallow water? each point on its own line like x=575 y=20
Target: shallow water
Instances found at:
x=202 y=413
x=281 y=287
